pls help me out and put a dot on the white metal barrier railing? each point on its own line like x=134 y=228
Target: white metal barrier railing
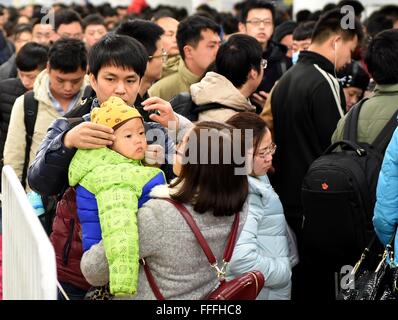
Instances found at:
x=29 y=265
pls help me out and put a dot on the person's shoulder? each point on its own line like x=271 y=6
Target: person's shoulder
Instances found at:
x=19 y=102
x=10 y=82
x=165 y=82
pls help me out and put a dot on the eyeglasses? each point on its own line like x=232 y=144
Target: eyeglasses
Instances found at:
x=257 y=22
x=164 y=55
x=264 y=63
x=268 y=151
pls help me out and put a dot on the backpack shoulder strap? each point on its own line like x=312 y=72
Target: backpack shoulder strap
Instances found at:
x=30 y=114
x=351 y=122
x=383 y=139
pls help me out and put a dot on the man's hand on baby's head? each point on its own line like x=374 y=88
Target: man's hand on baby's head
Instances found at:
x=88 y=135
x=154 y=155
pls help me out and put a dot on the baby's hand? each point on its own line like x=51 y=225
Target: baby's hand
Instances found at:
x=154 y=155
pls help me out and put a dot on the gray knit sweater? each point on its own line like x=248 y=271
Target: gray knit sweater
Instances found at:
x=177 y=262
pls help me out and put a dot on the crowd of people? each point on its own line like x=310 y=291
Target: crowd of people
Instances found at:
x=112 y=112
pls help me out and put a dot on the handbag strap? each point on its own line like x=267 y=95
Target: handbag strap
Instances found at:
x=151 y=280
x=201 y=239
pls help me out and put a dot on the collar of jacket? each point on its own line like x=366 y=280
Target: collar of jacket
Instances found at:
x=164 y=190
x=215 y=88
x=187 y=75
x=259 y=185
x=310 y=57
x=386 y=88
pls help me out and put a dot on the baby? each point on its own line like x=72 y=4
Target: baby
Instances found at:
x=111 y=184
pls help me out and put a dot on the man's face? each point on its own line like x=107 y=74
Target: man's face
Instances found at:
x=116 y=81
x=28 y=78
x=22 y=39
x=259 y=24
x=301 y=45
x=169 y=40
x=93 y=33
x=155 y=65
x=72 y=30
x=65 y=85
x=42 y=33
x=206 y=50
x=288 y=42
x=344 y=50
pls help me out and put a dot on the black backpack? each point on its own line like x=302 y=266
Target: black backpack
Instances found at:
x=339 y=193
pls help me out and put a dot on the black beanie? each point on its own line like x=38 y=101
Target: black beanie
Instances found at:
x=284 y=29
x=353 y=75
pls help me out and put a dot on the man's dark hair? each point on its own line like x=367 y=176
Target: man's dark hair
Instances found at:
x=146 y=32
x=189 y=31
x=256 y=4
x=207 y=11
x=329 y=6
x=330 y=23
x=304 y=31
x=119 y=51
x=68 y=55
x=303 y=15
x=229 y=23
x=376 y=23
x=199 y=183
x=32 y=56
x=163 y=13
x=390 y=11
x=358 y=7
x=239 y=48
x=21 y=28
x=93 y=19
x=381 y=57
x=66 y=16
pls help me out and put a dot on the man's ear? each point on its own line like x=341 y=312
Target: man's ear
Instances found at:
x=93 y=82
x=253 y=74
x=187 y=51
x=242 y=27
x=335 y=40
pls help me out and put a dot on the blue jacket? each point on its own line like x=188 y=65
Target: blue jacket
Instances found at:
x=385 y=219
x=263 y=244
x=48 y=173
x=87 y=211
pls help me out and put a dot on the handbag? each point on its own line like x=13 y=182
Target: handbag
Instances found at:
x=98 y=293
x=380 y=284
x=244 y=287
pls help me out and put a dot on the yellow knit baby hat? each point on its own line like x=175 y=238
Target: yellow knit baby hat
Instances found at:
x=113 y=111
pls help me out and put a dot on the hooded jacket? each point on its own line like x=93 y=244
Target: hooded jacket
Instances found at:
x=385 y=219
x=217 y=89
x=263 y=244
